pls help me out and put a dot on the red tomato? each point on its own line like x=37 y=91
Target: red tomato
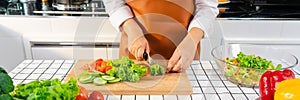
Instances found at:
x=98 y=62
x=107 y=68
x=95 y=95
x=102 y=69
x=104 y=64
x=98 y=68
x=83 y=95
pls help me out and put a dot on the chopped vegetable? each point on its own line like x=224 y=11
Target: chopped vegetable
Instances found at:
x=108 y=78
x=157 y=70
x=127 y=70
x=98 y=81
x=86 y=79
x=115 y=80
x=95 y=73
x=104 y=67
x=246 y=70
x=113 y=71
x=47 y=90
x=252 y=61
x=140 y=70
x=6 y=85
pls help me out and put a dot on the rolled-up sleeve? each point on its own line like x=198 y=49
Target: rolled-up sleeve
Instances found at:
x=118 y=12
x=205 y=13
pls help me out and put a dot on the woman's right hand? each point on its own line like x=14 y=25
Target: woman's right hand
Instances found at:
x=137 y=43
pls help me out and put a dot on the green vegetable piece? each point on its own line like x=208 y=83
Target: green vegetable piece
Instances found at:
x=96 y=73
x=252 y=61
x=111 y=72
x=133 y=77
x=84 y=79
x=140 y=70
x=156 y=70
x=115 y=80
x=5 y=97
x=163 y=70
x=108 y=78
x=47 y=90
x=2 y=70
x=98 y=81
x=126 y=69
x=6 y=83
x=278 y=67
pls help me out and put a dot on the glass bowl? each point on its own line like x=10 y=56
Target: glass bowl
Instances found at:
x=249 y=77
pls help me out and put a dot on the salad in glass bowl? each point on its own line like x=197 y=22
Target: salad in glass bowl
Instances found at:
x=244 y=64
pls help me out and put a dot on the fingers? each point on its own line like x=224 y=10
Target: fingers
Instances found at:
x=138 y=48
x=139 y=53
x=177 y=67
x=172 y=62
x=148 y=49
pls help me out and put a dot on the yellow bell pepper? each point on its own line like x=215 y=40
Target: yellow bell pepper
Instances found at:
x=288 y=90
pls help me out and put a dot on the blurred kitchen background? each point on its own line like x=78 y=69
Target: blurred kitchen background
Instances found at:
x=79 y=29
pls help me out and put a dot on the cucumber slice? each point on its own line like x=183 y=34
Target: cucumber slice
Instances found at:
x=115 y=80
x=96 y=73
x=98 y=81
x=108 y=78
x=86 y=79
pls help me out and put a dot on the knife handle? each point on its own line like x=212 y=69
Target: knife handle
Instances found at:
x=145 y=56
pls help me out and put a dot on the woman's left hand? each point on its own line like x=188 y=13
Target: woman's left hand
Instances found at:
x=185 y=52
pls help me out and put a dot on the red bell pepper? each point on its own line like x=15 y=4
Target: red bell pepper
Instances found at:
x=98 y=62
x=269 y=80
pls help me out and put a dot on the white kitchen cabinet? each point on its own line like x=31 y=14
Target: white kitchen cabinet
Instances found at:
x=68 y=53
x=113 y=53
x=11 y=52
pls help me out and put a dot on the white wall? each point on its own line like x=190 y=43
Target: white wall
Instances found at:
x=83 y=29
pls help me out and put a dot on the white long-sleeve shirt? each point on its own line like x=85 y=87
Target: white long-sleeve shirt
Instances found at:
x=205 y=13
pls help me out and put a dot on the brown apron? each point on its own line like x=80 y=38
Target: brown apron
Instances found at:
x=165 y=23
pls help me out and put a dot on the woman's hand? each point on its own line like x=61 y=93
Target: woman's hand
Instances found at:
x=185 y=52
x=137 y=43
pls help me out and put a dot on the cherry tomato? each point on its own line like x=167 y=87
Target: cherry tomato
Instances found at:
x=104 y=64
x=95 y=95
x=107 y=68
x=102 y=69
x=98 y=62
x=83 y=95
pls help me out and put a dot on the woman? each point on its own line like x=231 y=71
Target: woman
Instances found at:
x=171 y=29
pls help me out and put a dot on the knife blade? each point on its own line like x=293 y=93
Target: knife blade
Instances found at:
x=147 y=57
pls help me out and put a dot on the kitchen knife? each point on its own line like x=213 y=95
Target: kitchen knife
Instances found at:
x=147 y=57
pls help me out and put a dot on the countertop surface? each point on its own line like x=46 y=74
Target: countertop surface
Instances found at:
x=205 y=77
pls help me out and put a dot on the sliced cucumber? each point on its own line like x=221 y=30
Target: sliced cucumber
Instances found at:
x=96 y=73
x=108 y=78
x=98 y=81
x=86 y=79
x=115 y=80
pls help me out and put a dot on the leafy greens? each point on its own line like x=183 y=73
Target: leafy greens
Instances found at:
x=47 y=90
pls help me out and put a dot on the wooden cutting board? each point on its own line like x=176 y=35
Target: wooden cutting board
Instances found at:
x=171 y=83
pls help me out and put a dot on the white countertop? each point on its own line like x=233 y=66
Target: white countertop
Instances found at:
x=205 y=78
